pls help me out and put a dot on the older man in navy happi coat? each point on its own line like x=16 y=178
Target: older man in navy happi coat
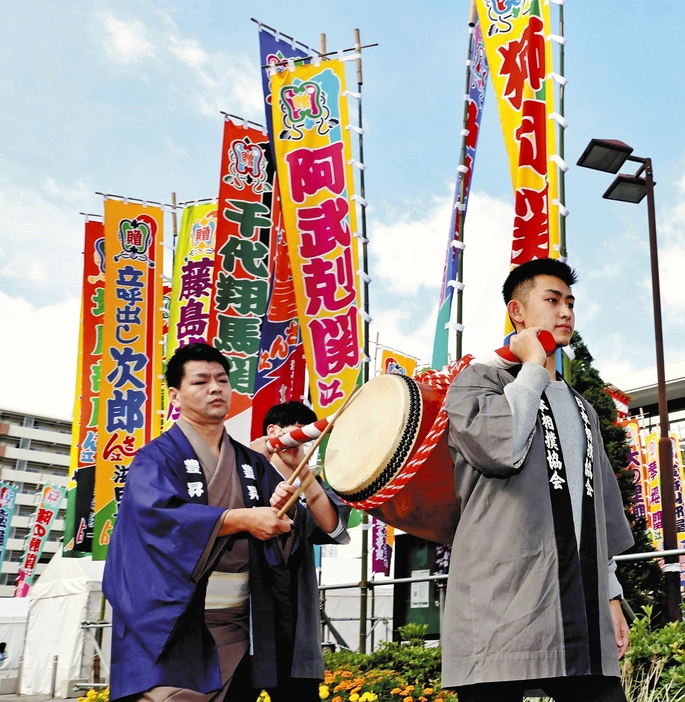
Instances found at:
x=194 y=543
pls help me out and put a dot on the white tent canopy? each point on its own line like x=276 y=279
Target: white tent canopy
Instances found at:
x=13 y=615
x=68 y=593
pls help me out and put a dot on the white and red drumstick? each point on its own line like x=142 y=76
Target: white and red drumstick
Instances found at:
x=303 y=486
x=504 y=358
x=298 y=436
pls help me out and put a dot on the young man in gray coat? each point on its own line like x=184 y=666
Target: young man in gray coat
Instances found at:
x=532 y=599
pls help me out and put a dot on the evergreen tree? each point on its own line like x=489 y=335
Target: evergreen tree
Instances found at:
x=643 y=581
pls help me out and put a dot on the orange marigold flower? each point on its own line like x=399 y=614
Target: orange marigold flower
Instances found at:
x=428 y=691
x=345 y=674
x=423 y=699
x=337 y=698
x=395 y=691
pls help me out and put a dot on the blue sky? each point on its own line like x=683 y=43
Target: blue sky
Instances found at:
x=124 y=97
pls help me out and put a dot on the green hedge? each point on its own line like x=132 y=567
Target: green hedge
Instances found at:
x=653 y=669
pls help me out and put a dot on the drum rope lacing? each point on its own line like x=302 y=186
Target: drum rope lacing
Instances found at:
x=439 y=381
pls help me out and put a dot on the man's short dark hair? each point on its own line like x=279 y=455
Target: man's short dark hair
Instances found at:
x=192 y=352
x=288 y=414
x=520 y=279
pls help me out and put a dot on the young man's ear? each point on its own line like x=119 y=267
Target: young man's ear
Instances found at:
x=273 y=430
x=515 y=310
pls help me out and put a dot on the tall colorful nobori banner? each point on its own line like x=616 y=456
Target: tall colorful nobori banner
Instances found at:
x=652 y=459
x=520 y=58
x=191 y=288
x=478 y=79
x=41 y=523
x=678 y=484
x=272 y=51
x=651 y=453
x=280 y=373
x=638 y=465
x=130 y=380
x=8 y=501
x=244 y=236
x=80 y=492
x=394 y=362
x=314 y=156
x=381 y=552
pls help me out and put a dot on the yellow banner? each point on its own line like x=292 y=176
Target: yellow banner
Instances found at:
x=130 y=387
x=519 y=52
x=654 y=486
x=679 y=486
x=638 y=465
x=314 y=155
x=393 y=362
x=191 y=291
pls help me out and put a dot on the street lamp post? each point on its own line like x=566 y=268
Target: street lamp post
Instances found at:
x=609 y=155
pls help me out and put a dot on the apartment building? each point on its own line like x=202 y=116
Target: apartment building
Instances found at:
x=33 y=450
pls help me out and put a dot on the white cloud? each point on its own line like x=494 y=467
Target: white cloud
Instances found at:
x=25 y=270
x=671 y=238
x=126 y=41
x=410 y=256
x=410 y=252
x=40 y=243
x=76 y=193
x=38 y=356
x=394 y=330
x=224 y=80
x=203 y=80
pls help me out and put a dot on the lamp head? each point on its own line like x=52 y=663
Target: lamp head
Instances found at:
x=606 y=155
x=626 y=188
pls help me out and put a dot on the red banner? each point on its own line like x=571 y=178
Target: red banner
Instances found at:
x=241 y=266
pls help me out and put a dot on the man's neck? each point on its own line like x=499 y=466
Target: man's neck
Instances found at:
x=551 y=366
x=210 y=433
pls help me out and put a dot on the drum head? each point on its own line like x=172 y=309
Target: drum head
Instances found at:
x=374 y=436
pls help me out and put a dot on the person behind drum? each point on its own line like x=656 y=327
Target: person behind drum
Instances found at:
x=531 y=602
x=296 y=598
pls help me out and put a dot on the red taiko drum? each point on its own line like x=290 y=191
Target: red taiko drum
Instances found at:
x=388 y=455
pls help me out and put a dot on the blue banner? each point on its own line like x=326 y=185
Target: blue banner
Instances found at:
x=8 y=499
x=478 y=78
x=280 y=372
x=272 y=49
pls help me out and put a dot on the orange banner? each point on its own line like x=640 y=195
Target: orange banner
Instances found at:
x=77 y=525
x=130 y=381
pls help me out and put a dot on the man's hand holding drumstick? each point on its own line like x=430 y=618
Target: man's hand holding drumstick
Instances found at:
x=293 y=464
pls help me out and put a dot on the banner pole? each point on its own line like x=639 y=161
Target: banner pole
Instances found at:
x=367 y=319
x=322 y=44
x=362 y=193
x=562 y=175
x=462 y=184
x=174 y=223
x=563 y=252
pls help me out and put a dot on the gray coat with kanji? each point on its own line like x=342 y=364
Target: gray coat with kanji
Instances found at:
x=523 y=600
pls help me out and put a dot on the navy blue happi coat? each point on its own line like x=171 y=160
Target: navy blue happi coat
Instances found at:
x=159 y=636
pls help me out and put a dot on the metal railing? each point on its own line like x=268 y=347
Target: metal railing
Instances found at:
x=440 y=580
